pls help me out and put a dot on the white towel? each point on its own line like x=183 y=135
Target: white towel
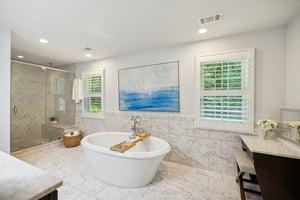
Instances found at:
x=77 y=93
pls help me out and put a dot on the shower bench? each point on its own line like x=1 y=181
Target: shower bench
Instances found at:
x=55 y=131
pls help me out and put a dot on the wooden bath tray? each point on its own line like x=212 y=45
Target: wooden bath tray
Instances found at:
x=124 y=146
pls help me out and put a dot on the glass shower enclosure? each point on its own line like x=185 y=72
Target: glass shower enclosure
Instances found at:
x=39 y=94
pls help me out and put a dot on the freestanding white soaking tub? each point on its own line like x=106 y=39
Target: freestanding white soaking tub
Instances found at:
x=133 y=168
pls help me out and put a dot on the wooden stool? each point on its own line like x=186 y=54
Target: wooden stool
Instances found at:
x=246 y=173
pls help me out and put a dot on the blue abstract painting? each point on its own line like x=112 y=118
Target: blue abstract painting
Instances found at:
x=150 y=88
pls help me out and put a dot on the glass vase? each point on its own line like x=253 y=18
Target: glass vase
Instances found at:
x=266 y=134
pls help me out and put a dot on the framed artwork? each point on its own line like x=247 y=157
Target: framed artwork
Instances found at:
x=150 y=88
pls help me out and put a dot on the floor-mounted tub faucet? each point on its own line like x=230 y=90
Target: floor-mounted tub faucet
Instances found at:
x=136 y=124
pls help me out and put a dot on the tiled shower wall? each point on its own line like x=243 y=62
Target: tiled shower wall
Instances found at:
x=212 y=150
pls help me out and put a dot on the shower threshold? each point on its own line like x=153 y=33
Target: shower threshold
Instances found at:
x=41 y=145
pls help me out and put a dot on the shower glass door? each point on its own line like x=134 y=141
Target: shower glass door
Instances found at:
x=59 y=103
x=39 y=94
x=27 y=105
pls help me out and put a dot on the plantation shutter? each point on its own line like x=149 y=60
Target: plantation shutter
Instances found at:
x=93 y=93
x=225 y=91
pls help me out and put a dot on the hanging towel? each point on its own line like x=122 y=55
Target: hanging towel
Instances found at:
x=77 y=93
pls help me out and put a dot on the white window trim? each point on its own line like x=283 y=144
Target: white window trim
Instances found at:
x=94 y=115
x=219 y=125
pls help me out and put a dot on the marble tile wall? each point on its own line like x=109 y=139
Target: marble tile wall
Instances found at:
x=207 y=149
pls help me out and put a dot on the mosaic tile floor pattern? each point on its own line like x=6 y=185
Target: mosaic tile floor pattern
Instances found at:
x=172 y=182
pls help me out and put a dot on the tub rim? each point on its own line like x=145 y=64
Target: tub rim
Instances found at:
x=128 y=154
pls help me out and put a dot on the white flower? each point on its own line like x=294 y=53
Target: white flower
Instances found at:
x=267 y=124
x=294 y=124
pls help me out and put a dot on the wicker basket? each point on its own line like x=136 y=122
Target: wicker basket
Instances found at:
x=72 y=140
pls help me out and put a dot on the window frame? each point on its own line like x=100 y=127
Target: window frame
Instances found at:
x=99 y=115
x=221 y=125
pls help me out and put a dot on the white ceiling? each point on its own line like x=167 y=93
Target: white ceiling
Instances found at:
x=118 y=27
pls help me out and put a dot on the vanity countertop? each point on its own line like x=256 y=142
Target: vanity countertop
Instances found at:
x=275 y=147
x=22 y=181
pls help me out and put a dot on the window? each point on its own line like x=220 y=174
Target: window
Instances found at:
x=92 y=105
x=58 y=90
x=58 y=86
x=225 y=91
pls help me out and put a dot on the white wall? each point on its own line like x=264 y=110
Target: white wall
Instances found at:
x=270 y=68
x=5 y=89
x=293 y=63
x=208 y=149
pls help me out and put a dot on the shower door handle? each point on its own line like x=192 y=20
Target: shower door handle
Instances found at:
x=15 y=110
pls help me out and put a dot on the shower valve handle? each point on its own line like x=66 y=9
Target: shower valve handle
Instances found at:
x=15 y=110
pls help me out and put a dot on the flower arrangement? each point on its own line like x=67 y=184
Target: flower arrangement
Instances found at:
x=295 y=124
x=268 y=125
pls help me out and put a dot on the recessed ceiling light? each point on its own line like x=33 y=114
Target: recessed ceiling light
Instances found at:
x=202 y=30
x=20 y=57
x=88 y=55
x=43 y=40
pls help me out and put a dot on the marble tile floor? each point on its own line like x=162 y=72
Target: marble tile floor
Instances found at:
x=172 y=182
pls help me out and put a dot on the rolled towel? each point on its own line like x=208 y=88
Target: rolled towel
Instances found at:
x=71 y=134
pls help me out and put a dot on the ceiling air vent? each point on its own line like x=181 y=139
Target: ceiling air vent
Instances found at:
x=210 y=18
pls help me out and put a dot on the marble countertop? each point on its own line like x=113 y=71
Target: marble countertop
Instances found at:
x=257 y=144
x=22 y=181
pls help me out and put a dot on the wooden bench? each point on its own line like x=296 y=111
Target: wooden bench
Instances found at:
x=246 y=174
